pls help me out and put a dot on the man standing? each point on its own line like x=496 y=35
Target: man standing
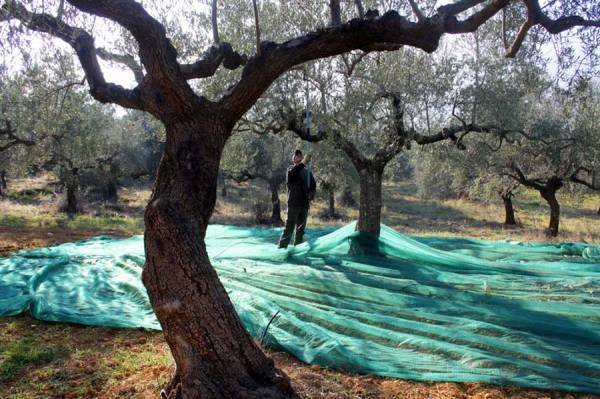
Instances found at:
x=301 y=186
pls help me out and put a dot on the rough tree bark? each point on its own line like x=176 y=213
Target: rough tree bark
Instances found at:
x=509 y=211
x=547 y=189
x=549 y=194
x=215 y=356
x=369 y=214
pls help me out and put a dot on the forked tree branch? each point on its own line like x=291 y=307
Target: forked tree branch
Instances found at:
x=8 y=134
x=535 y=16
x=211 y=60
x=575 y=178
x=83 y=44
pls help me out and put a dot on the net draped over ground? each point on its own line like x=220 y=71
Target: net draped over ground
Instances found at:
x=438 y=309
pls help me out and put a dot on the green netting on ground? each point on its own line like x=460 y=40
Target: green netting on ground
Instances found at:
x=419 y=308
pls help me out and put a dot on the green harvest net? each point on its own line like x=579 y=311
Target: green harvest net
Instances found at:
x=419 y=308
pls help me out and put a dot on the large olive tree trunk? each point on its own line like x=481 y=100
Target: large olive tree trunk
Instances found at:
x=215 y=356
x=550 y=196
x=369 y=213
x=548 y=192
x=509 y=210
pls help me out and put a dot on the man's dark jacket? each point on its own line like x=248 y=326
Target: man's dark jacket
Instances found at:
x=298 y=189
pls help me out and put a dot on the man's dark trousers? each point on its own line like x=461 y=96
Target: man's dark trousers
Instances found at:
x=296 y=220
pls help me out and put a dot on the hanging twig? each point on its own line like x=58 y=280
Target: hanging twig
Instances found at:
x=360 y=8
x=61 y=8
x=504 y=37
x=213 y=18
x=336 y=15
x=256 y=23
x=417 y=11
x=264 y=334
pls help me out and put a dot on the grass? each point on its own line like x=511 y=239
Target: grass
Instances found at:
x=16 y=355
x=44 y=360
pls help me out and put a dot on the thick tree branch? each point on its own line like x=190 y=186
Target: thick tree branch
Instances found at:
x=383 y=156
x=575 y=178
x=391 y=29
x=514 y=48
x=357 y=158
x=211 y=60
x=294 y=122
x=157 y=54
x=520 y=177
x=83 y=44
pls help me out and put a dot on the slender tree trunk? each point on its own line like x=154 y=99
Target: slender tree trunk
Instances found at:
x=215 y=356
x=369 y=214
x=72 y=184
x=336 y=16
x=598 y=211
x=276 y=204
x=347 y=199
x=3 y=179
x=223 y=184
x=549 y=194
x=71 y=207
x=509 y=211
x=331 y=210
x=111 y=192
x=2 y=182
